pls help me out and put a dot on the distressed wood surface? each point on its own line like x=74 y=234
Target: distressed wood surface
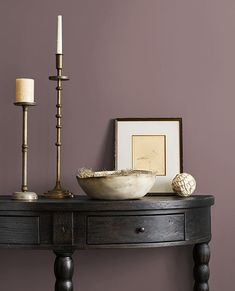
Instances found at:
x=82 y=223
x=135 y=229
x=83 y=203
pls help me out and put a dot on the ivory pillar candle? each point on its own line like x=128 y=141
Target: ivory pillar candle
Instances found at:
x=24 y=90
x=59 y=34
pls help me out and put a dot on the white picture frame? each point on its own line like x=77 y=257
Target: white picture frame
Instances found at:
x=150 y=144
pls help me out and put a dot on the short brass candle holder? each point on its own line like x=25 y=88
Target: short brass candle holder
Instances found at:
x=57 y=192
x=24 y=194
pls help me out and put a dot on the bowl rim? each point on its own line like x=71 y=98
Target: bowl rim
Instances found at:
x=116 y=173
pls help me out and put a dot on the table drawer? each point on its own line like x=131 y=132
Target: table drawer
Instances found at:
x=19 y=230
x=134 y=229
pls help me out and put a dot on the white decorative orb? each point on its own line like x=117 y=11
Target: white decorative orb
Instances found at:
x=184 y=184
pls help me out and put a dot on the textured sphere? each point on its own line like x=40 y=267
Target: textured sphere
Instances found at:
x=184 y=184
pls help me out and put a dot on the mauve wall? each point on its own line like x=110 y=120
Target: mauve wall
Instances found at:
x=126 y=58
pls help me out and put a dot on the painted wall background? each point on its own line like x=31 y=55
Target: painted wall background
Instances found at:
x=126 y=58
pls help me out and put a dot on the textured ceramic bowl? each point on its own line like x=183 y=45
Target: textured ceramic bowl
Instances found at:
x=110 y=185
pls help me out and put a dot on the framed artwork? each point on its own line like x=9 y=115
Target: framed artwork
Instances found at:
x=153 y=144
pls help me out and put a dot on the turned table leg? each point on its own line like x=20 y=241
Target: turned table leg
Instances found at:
x=201 y=255
x=63 y=269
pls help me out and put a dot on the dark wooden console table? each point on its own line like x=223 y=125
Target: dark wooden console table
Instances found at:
x=81 y=223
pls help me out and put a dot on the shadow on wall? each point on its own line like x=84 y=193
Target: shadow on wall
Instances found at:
x=106 y=157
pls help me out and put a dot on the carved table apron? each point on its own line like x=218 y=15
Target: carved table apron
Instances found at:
x=81 y=223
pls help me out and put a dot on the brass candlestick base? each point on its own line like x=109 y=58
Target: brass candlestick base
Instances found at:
x=24 y=194
x=58 y=192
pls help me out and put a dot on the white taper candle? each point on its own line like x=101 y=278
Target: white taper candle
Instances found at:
x=59 y=34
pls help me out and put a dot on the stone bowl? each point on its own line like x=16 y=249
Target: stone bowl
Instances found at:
x=112 y=185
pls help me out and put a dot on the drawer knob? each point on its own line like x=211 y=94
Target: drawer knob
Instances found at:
x=140 y=229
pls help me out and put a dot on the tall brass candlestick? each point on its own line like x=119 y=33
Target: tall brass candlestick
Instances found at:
x=57 y=192
x=24 y=194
